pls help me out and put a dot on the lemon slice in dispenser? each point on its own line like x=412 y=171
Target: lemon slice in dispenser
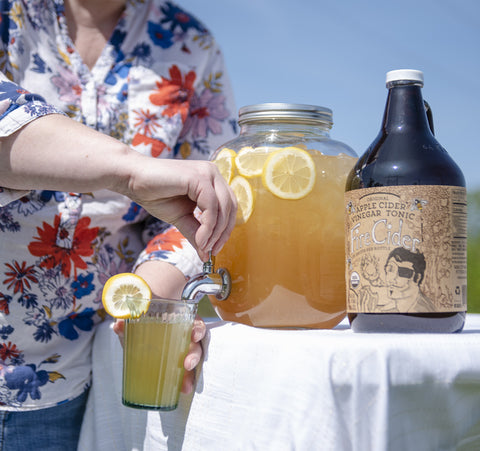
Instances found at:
x=245 y=199
x=289 y=173
x=250 y=161
x=225 y=161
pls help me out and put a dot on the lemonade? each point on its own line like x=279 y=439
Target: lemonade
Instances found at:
x=153 y=366
x=286 y=254
x=157 y=335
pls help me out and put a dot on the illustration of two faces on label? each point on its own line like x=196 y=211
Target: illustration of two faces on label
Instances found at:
x=398 y=289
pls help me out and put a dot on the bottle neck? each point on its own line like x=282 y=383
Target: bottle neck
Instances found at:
x=405 y=110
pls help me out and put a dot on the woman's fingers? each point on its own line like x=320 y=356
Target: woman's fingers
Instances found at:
x=119 y=329
x=194 y=355
x=229 y=217
x=199 y=330
x=218 y=206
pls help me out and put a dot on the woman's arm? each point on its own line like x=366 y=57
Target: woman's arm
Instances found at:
x=54 y=152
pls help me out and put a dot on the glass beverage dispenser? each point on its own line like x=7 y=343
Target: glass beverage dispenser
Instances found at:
x=286 y=253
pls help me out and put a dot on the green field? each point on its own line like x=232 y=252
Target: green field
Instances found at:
x=473 y=252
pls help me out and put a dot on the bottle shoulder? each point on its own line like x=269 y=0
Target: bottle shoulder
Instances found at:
x=402 y=159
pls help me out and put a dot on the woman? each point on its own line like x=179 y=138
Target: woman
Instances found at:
x=78 y=204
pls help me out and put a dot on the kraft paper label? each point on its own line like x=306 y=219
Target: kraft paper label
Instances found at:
x=406 y=249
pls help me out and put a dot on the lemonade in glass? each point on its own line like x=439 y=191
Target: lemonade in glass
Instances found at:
x=157 y=335
x=155 y=346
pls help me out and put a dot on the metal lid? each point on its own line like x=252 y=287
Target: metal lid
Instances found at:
x=286 y=112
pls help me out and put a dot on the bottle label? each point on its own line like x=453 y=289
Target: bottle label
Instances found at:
x=406 y=249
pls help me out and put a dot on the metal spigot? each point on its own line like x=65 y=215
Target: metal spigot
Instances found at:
x=217 y=283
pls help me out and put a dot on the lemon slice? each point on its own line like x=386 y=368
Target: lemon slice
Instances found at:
x=244 y=193
x=250 y=161
x=225 y=161
x=289 y=173
x=126 y=295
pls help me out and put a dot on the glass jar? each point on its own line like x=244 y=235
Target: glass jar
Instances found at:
x=286 y=252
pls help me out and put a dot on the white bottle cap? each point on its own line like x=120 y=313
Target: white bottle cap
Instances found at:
x=405 y=74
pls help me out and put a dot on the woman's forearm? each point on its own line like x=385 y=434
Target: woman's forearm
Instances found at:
x=56 y=153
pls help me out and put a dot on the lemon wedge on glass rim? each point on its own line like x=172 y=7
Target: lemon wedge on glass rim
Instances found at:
x=225 y=161
x=126 y=295
x=289 y=173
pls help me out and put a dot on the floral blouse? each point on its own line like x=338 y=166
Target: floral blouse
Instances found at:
x=159 y=85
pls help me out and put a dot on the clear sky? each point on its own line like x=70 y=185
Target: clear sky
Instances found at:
x=336 y=54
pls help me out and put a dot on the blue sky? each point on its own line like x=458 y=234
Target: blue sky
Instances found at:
x=336 y=54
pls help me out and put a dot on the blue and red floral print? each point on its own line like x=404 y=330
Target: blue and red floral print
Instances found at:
x=159 y=86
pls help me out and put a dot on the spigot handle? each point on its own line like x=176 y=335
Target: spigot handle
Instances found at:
x=209 y=265
x=226 y=286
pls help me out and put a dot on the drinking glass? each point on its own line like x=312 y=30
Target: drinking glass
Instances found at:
x=155 y=346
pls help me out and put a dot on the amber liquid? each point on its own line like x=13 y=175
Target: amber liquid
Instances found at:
x=287 y=260
x=405 y=153
x=153 y=363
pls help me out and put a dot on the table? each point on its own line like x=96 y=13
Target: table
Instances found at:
x=263 y=389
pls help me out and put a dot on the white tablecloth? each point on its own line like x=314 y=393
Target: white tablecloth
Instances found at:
x=263 y=389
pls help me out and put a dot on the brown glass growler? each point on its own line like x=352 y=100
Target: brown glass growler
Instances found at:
x=406 y=155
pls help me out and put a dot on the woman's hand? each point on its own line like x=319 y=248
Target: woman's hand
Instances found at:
x=175 y=191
